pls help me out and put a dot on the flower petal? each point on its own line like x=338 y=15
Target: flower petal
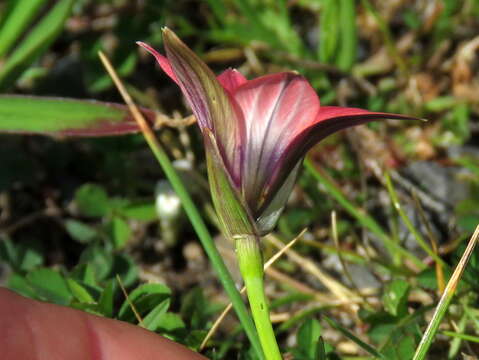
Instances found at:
x=211 y=104
x=268 y=218
x=276 y=108
x=231 y=79
x=329 y=120
x=162 y=61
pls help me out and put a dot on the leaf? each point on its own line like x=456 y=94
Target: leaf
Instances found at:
x=141 y=211
x=79 y=292
x=144 y=298
x=119 y=232
x=79 y=231
x=153 y=319
x=308 y=336
x=126 y=268
x=36 y=41
x=50 y=285
x=92 y=200
x=97 y=259
x=66 y=117
x=107 y=297
x=84 y=273
x=23 y=256
x=9 y=253
x=354 y=338
x=17 y=20
x=18 y=283
x=395 y=297
x=170 y=322
x=29 y=254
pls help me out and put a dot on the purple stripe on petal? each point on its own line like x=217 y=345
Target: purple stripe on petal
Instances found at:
x=211 y=104
x=276 y=108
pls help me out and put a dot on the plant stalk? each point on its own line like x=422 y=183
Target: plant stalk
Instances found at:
x=250 y=259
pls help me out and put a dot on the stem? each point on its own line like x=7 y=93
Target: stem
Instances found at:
x=250 y=261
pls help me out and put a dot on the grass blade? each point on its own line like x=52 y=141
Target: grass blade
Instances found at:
x=36 y=42
x=18 y=19
x=446 y=298
x=354 y=338
x=419 y=238
x=348 y=44
x=363 y=218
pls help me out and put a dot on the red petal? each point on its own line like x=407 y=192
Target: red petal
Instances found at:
x=162 y=61
x=329 y=120
x=231 y=79
x=276 y=108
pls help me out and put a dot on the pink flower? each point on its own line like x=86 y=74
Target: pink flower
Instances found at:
x=258 y=131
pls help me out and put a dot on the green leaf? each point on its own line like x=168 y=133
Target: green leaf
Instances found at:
x=36 y=41
x=328 y=30
x=97 y=259
x=9 y=253
x=170 y=323
x=126 y=268
x=18 y=19
x=307 y=338
x=119 y=232
x=153 y=319
x=107 y=298
x=395 y=297
x=84 y=273
x=29 y=254
x=355 y=339
x=92 y=200
x=79 y=231
x=348 y=44
x=50 y=285
x=66 y=117
x=18 y=283
x=145 y=298
x=79 y=291
x=141 y=211
x=23 y=256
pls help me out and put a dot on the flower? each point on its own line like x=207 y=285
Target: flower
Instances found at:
x=256 y=132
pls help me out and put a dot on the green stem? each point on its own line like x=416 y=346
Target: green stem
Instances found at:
x=206 y=241
x=250 y=260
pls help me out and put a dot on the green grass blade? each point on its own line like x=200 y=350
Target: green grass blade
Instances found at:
x=419 y=238
x=354 y=338
x=18 y=19
x=364 y=219
x=328 y=30
x=348 y=44
x=445 y=300
x=66 y=117
x=36 y=42
x=462 y=336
